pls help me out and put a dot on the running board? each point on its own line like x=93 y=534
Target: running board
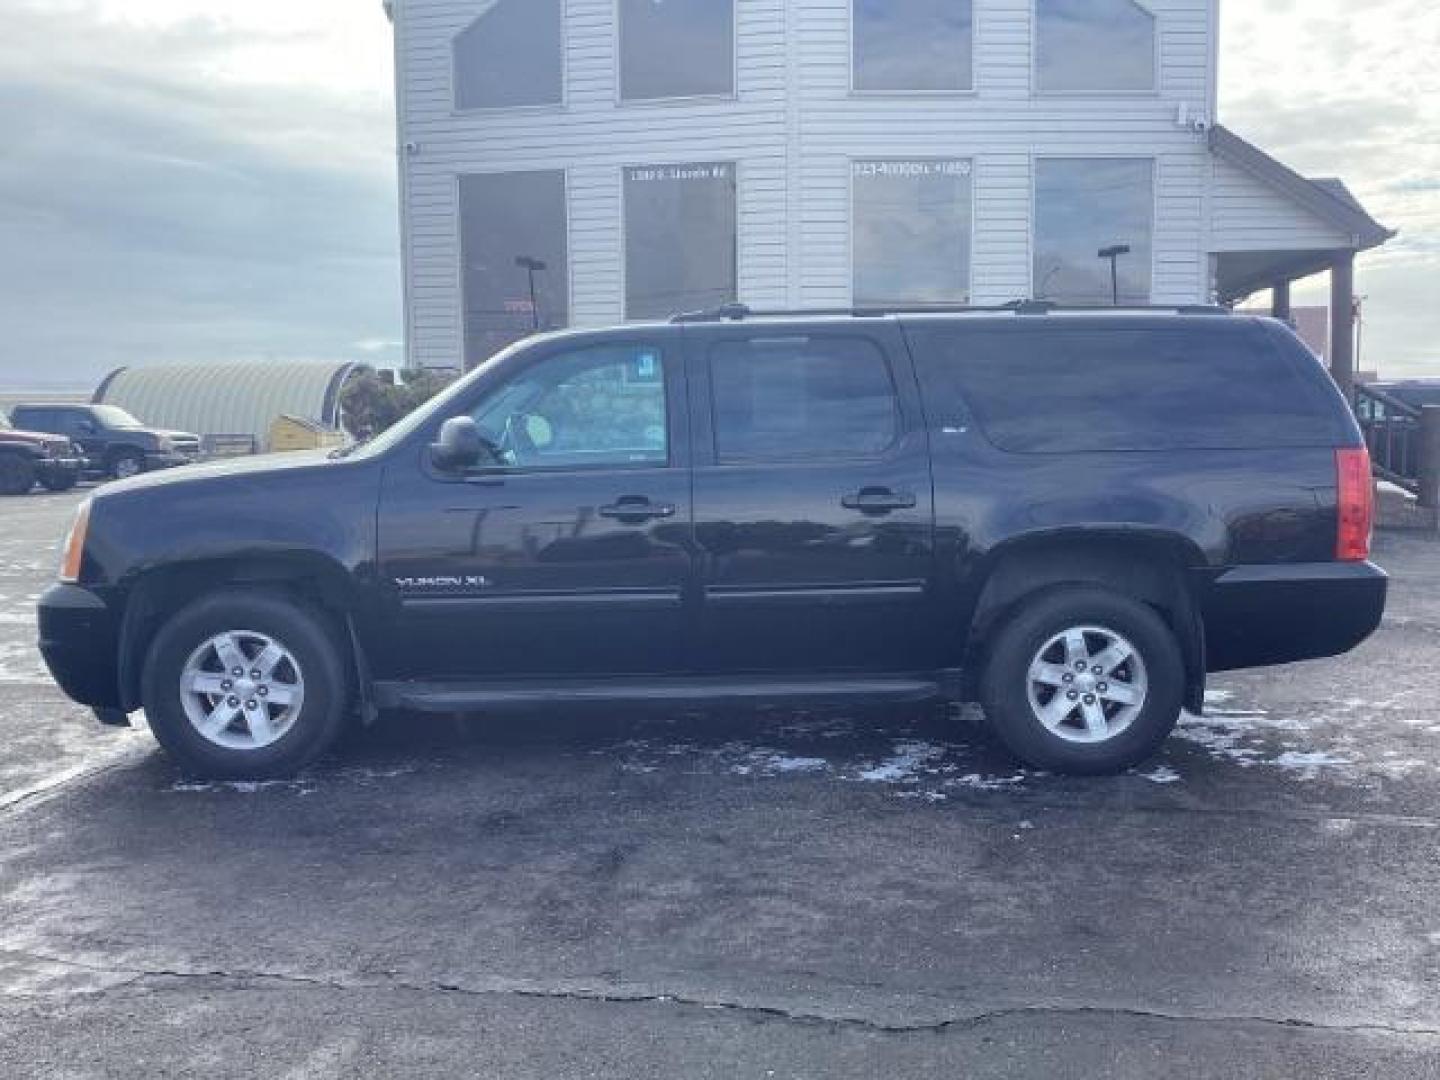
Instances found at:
x=819 y=690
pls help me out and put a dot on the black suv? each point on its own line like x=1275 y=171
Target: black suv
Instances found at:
x=114 y=442
x=1071 y=518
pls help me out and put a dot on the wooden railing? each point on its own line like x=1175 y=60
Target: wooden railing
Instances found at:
x=1404 y=442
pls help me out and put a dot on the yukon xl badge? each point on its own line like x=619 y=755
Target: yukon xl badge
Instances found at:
x=442 y=584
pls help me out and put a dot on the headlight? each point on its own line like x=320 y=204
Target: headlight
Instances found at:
x=75 y=545
x=164 y=445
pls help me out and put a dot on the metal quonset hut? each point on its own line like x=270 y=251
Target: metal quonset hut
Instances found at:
x=229 y=399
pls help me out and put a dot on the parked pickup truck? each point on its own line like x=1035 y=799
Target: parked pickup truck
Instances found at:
x=31 y=457
x=1071 y=518
x=115 y=443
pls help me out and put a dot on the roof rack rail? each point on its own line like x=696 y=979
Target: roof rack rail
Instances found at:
x=741 y=312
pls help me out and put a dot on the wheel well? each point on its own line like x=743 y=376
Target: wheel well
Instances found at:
x=1153 y=570
x=160 y=593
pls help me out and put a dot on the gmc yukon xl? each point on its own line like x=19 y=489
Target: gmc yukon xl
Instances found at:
x=1070 y=517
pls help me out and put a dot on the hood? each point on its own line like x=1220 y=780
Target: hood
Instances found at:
x=238 y=470
x=33 y=438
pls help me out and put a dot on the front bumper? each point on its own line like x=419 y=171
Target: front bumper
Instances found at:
x=1256 y=616
x=165 y=461
x=51 y=468
x=79 y=639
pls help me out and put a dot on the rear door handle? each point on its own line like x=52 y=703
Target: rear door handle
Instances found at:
x=636 y=510
x=878 y=500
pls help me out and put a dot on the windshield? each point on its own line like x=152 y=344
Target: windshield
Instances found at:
x=5 y=424
x=114 y=417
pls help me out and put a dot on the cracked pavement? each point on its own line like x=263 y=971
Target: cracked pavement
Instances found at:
x=769 y=895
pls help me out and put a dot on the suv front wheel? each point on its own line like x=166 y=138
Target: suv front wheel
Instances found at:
x=245 y=686
x=1083 y=681
x=127 y=463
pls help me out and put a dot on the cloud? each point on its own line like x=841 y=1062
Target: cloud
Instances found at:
x=1333 y=88
x=193 y=180
x=180 y=190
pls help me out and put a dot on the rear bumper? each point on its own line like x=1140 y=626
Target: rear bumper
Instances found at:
x=79 y=639
x=1256 y=616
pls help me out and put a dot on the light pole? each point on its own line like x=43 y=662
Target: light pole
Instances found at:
x=1113 y=253
x=530 y=265
x=1359 y=331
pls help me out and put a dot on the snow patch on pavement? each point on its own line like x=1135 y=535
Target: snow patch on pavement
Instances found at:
x=1161 y=774
x=305 y=784
x=905 y=765
x=1307 y=766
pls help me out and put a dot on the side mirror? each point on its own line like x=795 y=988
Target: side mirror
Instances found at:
x=85 y=427
x=460 y=446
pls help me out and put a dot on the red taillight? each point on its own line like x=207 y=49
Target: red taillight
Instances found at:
x=1356 y=504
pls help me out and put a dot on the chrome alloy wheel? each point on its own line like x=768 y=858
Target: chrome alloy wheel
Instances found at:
x=1087 y=684
x=242 y=690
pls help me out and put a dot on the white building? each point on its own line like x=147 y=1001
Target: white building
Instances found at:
x=627 y=159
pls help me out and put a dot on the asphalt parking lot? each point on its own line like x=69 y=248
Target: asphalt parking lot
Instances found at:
x=772 y=895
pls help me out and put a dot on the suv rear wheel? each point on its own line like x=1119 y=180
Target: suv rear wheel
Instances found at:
x=17 y=474
x=245 y=686
x=1084 y=681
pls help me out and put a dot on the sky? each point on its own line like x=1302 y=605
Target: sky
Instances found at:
x=191 y=180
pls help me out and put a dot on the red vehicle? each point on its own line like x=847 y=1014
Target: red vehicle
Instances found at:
x=27 y=457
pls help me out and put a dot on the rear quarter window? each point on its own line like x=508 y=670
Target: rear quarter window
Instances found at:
x=1039 y=390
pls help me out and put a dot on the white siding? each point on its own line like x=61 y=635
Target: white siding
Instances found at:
x=793 y=128
x=1247 y=215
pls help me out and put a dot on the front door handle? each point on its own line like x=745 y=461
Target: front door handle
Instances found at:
x=636 y=510
x=878 y=500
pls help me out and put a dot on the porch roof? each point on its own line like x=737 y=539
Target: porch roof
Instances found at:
x=1326 y=201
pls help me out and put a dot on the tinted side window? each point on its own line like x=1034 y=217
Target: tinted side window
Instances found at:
x=56 y=421
x=801 y=397
x=29 y=419
x=1069 y=390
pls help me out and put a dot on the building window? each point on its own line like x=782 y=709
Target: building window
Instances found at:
x=679 y=238
x=676 y=48
x=1094 y=47
x=911 y=231
x=514 y=261
x=1094 y=217
x=912 y=46
x=510 y=56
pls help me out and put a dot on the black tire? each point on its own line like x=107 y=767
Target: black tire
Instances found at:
x=310 y=637
x=17 y=474
x=1005 y=686
x=60 y=482
x=126 y=463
